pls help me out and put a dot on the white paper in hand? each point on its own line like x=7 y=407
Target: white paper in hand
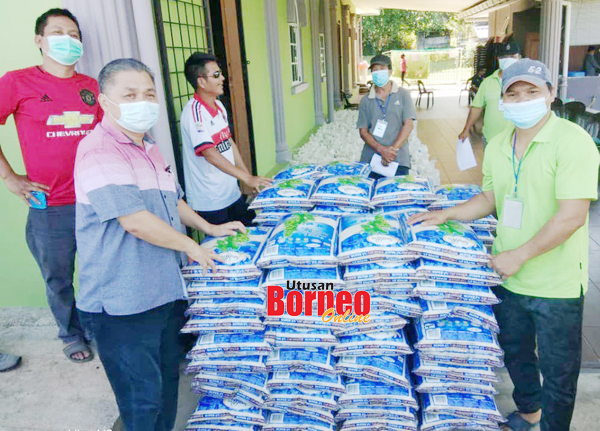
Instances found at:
x=465 y=158
x=386 y=171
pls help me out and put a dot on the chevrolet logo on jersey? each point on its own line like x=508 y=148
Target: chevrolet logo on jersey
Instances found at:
x=70 y=119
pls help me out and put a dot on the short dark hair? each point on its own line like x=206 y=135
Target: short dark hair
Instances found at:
x=591 y=48
x=42 y=21
x=195 y=66
x=109 y=71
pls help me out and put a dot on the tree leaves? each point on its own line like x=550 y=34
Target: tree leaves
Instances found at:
x=397 y=29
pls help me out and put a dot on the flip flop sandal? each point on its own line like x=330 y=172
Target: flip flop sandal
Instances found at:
x=516 y=423
x=77 y=347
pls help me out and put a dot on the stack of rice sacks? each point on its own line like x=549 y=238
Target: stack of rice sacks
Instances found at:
x=456 y=337
x=289 y=193
x=303 y=384
x=373 y=357
x=229 y=357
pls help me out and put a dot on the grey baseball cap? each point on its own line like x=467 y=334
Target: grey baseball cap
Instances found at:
x=384 y=60
x=527 y=70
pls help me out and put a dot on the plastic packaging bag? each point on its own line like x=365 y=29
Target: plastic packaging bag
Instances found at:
x=303 y=240
x=374 y=344
x=391 y=370
x=352 y=191
x=478 y=314
x=403 y=190
x=461 y=293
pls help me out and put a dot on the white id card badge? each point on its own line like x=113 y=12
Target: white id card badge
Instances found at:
x=513 y=212
x=379 y=129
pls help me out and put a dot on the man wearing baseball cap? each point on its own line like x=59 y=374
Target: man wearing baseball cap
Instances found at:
x=540 y=175
x=385 y=119
x=489 y=95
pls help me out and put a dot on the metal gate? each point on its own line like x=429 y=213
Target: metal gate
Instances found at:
x=183 y=27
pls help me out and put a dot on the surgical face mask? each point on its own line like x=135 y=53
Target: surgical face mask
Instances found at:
x=137 y=117
x=525 y=115
x=505 y=63
x=381 y=77
x=64 y=49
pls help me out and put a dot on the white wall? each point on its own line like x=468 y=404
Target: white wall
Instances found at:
x=585 y=17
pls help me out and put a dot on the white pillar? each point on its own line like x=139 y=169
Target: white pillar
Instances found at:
x=550 y=35
x=316 y=57
x=345 y=56
x=282 y=151
x=329 y=62
x=337 y=73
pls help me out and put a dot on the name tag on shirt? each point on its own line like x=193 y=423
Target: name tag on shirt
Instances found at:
x=380 y=128
x=512 y=212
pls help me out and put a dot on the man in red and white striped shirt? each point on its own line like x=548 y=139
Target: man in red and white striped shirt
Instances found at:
x=212 y=162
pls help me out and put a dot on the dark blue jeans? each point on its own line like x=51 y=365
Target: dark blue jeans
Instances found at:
x=237 y=211
x=50 y=235
x=402 y=170
x=141 y=358
x=556 y=324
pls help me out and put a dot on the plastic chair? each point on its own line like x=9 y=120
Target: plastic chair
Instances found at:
x=423 y=90
x=573 y=110
x=467 y=89
x=347 y=104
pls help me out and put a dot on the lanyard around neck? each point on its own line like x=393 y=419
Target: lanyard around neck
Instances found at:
x=387 y=103
x=518 y=171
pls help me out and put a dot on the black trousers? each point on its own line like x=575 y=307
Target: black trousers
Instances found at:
x=554 y=326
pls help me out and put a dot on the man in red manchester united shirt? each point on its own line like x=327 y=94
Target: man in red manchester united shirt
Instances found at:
x=54 y=107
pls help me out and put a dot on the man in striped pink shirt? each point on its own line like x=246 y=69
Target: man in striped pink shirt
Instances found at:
x=129 y=222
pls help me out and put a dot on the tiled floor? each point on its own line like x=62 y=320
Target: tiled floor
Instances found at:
x=438 y=128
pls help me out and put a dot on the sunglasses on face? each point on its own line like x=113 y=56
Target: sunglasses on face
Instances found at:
x=216 y=75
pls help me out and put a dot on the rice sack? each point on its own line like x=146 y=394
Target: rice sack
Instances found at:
x=451 y=273
x=365 y=393
x=301 y=239
x=475 y=407
x=371 y=238
x=317 y=360
x=374 y=344
x=450 y=242
x=229 y=364
x=391 y=370
x=240 y=252
x=303 y=170
x=288 y=194
x=350 y=191
x=218 y=345
x=346 y=168
x=456 y=335
x=459 y=293
x=210 y=409
x=403 y=190
x=223 y=325
x=481 y=315
x=434 y=385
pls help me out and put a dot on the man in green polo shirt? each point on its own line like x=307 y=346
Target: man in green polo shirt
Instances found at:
x=489 y=95
x=540 y=175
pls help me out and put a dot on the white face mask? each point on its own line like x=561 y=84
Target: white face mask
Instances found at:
x=137 y=117
x=505 y=63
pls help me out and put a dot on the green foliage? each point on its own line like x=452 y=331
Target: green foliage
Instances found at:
x=377 y=225
x=452 y=228
x=232 y=242
x=398 y=29
x=292 y=223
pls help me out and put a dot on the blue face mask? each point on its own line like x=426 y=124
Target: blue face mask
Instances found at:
x=64 y=49
x=505 y=63
x=525 y=115
x=381 y=77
